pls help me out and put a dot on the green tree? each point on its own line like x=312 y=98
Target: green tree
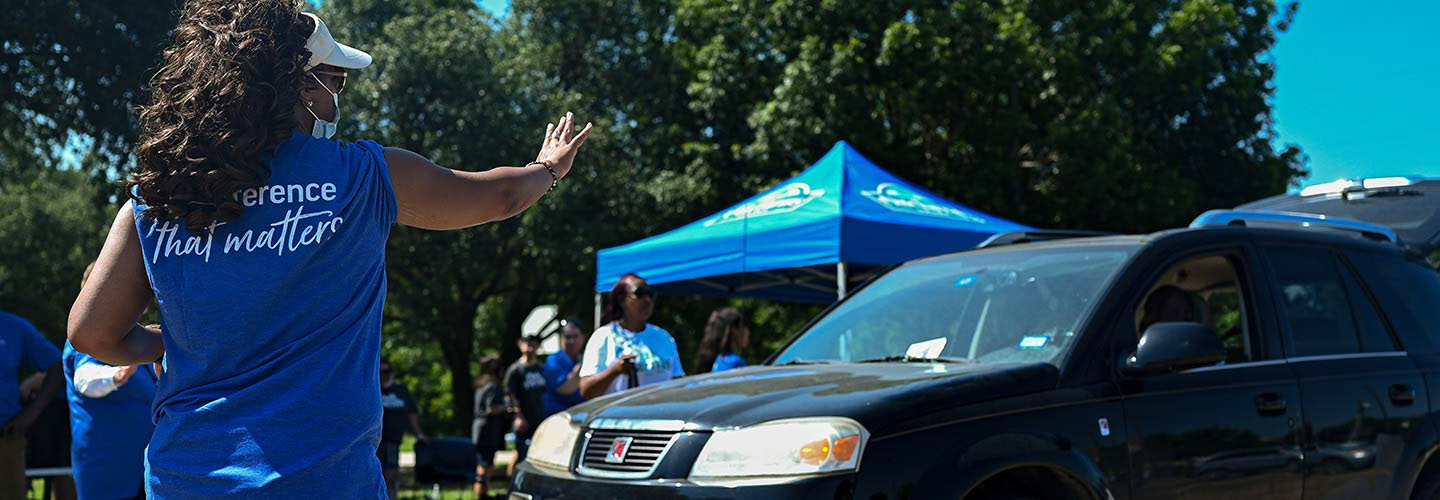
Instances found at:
x=1105 y=114
x=51 y=229
x=76 y=69
x=70 y=74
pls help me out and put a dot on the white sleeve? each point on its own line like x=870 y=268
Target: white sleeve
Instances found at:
x=594 y=362
x=95 y=380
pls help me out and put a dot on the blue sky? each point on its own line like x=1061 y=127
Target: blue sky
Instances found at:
x=499 y=7
x=1356 y=87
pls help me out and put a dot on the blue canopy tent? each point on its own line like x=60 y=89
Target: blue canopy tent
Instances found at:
x=806 y=239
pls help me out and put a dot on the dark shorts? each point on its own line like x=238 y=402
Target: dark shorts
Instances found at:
x=485 y=447
x=389 y=453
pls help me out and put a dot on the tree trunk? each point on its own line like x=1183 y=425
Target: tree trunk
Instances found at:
x=455 y=348
x=517 y=306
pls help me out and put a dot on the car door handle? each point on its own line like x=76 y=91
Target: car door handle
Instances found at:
x=1270 y=403
x=1402 y=395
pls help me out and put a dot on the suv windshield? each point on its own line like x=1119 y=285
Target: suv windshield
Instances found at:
x=995 y=306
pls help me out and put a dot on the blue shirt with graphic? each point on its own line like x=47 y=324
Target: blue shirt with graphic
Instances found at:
x=108 y=433
x=20 y=343
x=557 y=369
x=272 y=333
x=727 y=361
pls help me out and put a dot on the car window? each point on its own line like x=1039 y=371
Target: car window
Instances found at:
x=1205 y=290
x=1374 y=335
x=1011 y=304
x=1409 y=295
x=1315 y=302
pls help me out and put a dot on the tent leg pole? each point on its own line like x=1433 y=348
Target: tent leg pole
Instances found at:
x=596 y=324
x=840 y=280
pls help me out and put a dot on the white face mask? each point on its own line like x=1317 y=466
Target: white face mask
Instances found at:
x=325 y=129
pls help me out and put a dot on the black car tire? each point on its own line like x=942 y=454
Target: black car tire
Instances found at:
x=1427 y=488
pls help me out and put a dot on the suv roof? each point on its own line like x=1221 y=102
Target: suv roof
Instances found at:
x=1408 y=206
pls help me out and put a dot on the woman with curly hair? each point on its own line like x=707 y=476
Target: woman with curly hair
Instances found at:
x=263 y=241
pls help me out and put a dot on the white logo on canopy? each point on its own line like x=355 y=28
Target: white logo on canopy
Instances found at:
x=787 y=198
x=897 y=198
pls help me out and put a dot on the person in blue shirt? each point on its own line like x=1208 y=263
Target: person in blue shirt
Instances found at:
x=725 y=335
x=262 y=239
x=109 y=424
x=562 y=369
x=21 y=343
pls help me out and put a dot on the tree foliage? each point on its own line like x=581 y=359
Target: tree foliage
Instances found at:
x=1101 y=114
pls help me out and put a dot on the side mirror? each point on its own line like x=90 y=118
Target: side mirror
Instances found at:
x=1170 y=347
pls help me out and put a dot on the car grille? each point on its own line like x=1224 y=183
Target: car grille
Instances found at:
x=644 y=452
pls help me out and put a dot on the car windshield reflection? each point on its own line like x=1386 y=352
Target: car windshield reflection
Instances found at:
x=1006 y=305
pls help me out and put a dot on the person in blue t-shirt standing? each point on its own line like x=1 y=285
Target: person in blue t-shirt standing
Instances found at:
x=21 y=343
x=725 y=335
x=110 y=425
x=262 y=238
x=562 y=369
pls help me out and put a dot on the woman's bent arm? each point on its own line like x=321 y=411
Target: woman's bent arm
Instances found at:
x=102 y=320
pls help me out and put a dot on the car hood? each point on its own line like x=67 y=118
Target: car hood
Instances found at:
x=874 y=394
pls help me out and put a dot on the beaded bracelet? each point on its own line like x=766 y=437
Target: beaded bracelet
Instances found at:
x=554 y=177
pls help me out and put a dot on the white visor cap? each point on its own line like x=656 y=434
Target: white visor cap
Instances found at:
x=325 y=50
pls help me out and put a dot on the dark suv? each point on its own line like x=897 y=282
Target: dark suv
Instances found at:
x=1255 y=355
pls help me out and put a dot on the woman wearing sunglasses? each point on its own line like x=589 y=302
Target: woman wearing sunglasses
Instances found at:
x=263 y=240
x=628 y=351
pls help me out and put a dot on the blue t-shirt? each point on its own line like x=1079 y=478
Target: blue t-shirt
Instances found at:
x=557 y=369
x=272 y=333
x=20 y=342
x=109 y=433
x=727 y=361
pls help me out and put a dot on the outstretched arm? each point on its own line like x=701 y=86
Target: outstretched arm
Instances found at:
x=433 y=197
x=102 y=320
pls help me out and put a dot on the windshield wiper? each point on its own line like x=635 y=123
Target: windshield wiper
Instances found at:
x=901 y=358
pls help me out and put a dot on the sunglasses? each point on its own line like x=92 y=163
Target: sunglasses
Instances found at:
x=643 y=292
x=335 y=82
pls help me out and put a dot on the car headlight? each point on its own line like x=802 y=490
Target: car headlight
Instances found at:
x=791 y=447
x=554 y=441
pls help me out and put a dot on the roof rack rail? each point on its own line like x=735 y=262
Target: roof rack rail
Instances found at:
x=1216 y=218
x=1034 y=235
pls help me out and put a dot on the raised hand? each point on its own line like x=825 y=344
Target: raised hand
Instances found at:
x=561 y=142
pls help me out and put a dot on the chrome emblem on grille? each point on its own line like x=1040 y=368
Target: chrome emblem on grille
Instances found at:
x=618 y=448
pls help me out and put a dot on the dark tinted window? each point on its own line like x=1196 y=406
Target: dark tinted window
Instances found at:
x=1374 y=335
x=1313 y=301
x=1409 y=294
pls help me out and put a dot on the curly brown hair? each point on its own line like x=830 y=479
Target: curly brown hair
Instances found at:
x=221 y=102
